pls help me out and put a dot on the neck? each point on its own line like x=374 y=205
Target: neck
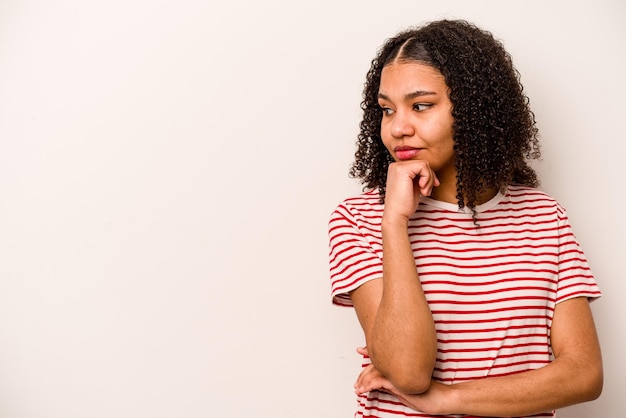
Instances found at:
x=486 y=195
x=446 y=192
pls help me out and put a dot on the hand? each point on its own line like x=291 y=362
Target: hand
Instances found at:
x=371 y=379
x=406 y=182
x=430 y=402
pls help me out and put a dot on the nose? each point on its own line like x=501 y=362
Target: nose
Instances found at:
x=402 y=125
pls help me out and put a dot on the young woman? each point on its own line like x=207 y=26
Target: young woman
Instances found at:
x=469 y=284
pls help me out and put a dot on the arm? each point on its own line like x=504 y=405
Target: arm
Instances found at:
x=393 y=312
x=573 y=377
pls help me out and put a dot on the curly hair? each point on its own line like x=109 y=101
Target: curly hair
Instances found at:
x=494 y=130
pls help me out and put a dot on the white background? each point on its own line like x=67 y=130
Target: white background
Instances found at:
x=167 y=170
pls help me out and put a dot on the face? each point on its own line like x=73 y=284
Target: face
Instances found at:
x=417 y=116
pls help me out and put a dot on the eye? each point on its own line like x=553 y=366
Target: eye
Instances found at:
x=421 y=106
x=386 y=110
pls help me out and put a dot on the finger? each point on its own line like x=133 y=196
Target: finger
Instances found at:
x=371 y=380
x=362 y=351
x=367 y=385
x=427 y=182
x=363 y=376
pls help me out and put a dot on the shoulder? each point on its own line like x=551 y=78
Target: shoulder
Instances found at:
x=529 y=195
x=363 y=211
x=534 y=201
x=525 y=193
x=364 y=203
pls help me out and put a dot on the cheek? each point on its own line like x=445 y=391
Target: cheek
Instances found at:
x=439 y=135
x=441 y=139
x=385 y=136
x=446 y=144
x=443 y=133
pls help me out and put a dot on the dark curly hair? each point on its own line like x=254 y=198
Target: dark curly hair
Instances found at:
x=494 y=129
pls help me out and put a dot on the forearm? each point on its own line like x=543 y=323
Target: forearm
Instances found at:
x=559 y=384
x=402 y=343
x=574 y=376
x=566 y=381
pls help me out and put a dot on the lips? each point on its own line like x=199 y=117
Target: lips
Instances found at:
x=406 y=153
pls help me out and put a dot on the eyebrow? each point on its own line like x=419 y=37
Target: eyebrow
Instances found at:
x=410 y=96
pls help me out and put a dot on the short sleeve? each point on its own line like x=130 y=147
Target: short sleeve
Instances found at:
x=355 y=253
x=575 y=276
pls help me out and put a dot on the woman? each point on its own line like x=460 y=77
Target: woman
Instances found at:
x=471 y=289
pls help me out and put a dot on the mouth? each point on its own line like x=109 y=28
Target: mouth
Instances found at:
x=406 y=153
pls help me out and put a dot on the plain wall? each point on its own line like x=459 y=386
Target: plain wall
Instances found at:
x=167 y=170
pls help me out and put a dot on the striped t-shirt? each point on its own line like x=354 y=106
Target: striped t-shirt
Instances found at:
x=491 y=289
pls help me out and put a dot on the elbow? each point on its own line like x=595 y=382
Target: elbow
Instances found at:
x=587 y=381
x=413 y=384
x=410 y=377
x=408 y=380
x=410 y=373
x=593 y=385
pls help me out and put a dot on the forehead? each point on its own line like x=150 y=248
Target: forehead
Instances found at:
x=404 y=77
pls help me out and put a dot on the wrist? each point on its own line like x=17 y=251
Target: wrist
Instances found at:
x=391 y=222
x=451 y=399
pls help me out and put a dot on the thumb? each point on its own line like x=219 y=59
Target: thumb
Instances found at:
x=362 y=351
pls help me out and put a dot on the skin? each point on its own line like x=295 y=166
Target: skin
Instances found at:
x=417 y=113
x=574 y=376
x=393 y=312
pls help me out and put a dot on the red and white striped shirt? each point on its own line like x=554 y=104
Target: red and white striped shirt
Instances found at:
x=492 y=289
